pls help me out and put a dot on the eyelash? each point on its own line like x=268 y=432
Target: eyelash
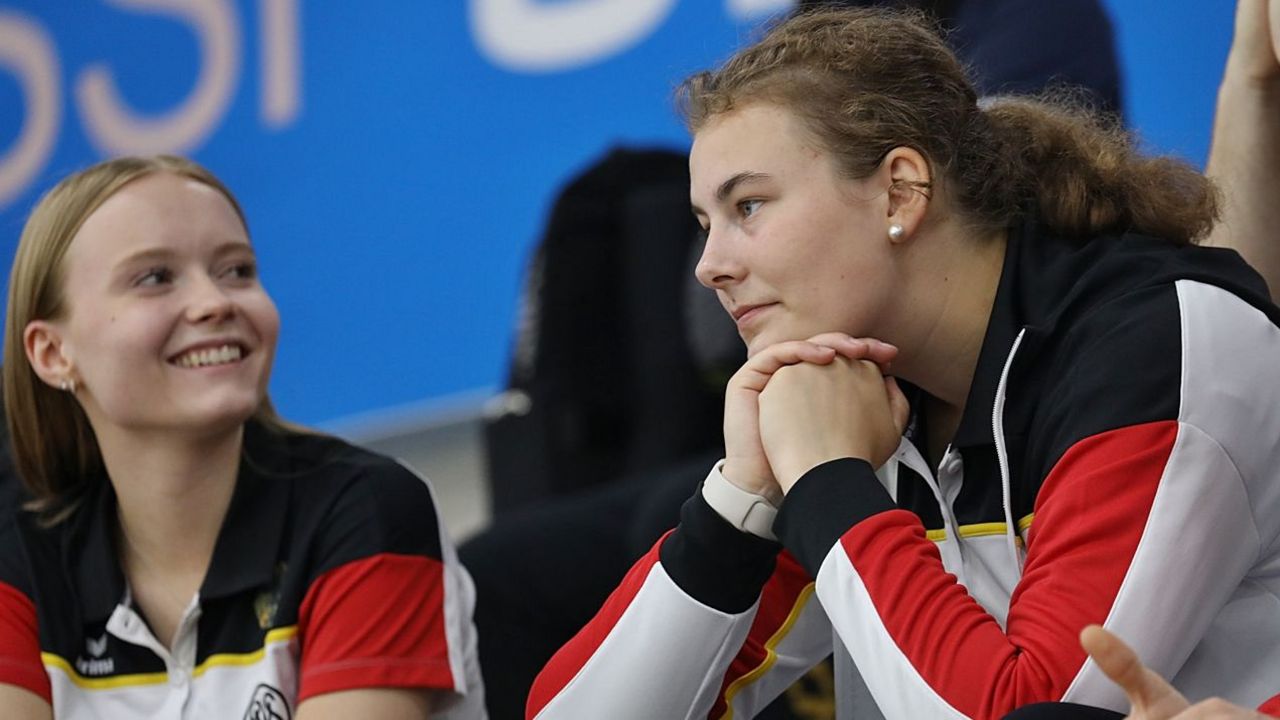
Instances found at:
x=161 y=273
x=741 y=205
x=245 y=270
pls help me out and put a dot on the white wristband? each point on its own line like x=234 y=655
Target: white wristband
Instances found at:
x=744 y=510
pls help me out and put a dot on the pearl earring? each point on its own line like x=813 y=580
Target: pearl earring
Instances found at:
x=896 y=231
x=67 y=386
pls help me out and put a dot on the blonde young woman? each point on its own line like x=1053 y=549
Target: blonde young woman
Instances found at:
x=1084 y=432
x=183 y=552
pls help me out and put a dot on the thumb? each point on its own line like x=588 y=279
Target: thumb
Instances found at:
x=1151 y=697
x=898 y=405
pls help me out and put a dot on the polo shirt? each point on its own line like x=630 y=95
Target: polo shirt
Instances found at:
x=330 y=573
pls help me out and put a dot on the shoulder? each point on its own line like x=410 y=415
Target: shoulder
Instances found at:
x=352 y=502
x=1160 y=352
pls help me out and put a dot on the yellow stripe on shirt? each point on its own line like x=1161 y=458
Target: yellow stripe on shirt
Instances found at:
x=277 y=635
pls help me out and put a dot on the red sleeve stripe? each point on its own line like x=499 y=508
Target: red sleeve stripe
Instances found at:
x=1078 y=549
x=573 y=656
x=375 y=622
x=20 y=663
x=783 y=599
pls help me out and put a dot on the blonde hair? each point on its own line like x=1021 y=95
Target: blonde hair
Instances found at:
x=54 y=447
x=867 y=80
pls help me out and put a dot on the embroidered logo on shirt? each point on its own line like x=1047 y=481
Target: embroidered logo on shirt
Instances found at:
x=96 y=647
x=267 y=703
x=268 y=601
x=95 y=665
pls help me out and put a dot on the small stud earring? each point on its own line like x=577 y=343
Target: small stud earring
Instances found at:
x=67 y=386
x=896 y=231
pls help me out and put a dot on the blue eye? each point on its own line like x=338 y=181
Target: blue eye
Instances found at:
x=747 y=208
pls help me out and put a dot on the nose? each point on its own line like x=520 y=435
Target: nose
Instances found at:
x=209 y=301
x=718 y=267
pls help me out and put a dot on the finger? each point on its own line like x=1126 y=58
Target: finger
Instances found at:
x=1217 y=709
x=1120 y=663
x=1273 y=22
x=1116 y=659
x=898 y=405
x=755 y=373
x=877 y=351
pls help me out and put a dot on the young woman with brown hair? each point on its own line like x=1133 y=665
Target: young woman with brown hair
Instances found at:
x=1084 y=432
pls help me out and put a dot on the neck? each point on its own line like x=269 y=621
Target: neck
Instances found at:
x=173 y=493
x=948 y=310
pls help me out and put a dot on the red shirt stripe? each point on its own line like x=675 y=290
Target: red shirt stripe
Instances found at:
x=20 y=662
x=1074 y=569
x=352 y=636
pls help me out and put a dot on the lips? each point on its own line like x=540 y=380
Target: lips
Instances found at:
x=743 y=313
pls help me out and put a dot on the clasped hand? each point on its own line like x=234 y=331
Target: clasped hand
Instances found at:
x=798 y=404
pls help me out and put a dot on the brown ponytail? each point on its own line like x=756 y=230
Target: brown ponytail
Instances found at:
x=868 y=80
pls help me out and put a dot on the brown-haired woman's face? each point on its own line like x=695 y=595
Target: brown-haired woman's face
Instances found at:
x=167 y=327
x=793 y=248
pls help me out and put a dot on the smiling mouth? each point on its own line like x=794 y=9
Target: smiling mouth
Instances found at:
x=209 y=357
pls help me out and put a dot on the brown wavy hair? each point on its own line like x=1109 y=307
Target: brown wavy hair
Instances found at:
x=54 y=448
x=867 y=80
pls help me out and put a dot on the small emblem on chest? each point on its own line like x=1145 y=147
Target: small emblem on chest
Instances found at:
x=268 y=601
x=95 y=665
x=267 y=703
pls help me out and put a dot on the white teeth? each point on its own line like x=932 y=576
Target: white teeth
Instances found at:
x=215 y=356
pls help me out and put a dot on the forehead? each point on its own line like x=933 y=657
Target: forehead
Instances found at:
x=158 y=210
x=757 y=138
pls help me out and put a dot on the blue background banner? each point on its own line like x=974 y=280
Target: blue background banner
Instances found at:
x=397 y=159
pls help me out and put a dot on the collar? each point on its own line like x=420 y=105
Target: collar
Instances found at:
x=244 y=555
x=1002 y=328
x=89 y=551
x=248 y=546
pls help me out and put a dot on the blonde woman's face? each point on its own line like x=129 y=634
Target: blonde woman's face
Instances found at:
x=167 y=327
x=793 y=248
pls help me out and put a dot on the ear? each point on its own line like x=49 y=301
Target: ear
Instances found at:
x=47 y=353
x=910 y=189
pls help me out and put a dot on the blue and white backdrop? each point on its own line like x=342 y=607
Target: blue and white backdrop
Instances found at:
x=397 y=158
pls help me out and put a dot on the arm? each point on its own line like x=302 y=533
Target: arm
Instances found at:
x=1139 y=508
x=24 y=686
x=22 y=704
x=385 y=626
x=705 y=619
x=380 y=703
x=1245 y=156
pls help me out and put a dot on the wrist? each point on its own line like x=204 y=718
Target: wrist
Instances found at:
x=765 y=486
x=749 y=512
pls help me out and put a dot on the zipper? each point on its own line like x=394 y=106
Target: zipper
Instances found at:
x=1002 y=454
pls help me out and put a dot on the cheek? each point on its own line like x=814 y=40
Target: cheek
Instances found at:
x=264 y=317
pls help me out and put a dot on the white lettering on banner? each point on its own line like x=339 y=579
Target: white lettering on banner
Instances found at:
x=529 y=36
x=25 y=49
x=280 y=87
x=748 y=9
x=116 y=129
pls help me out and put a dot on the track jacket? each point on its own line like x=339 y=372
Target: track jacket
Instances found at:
x=1117 y=462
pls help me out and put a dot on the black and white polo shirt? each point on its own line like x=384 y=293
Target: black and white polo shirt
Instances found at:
x=330 y=573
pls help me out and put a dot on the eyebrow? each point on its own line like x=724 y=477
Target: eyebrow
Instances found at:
x=742 y=178
x=745 y=177
x=163 y=253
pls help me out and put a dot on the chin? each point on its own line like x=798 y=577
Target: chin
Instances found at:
x=226 y=412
